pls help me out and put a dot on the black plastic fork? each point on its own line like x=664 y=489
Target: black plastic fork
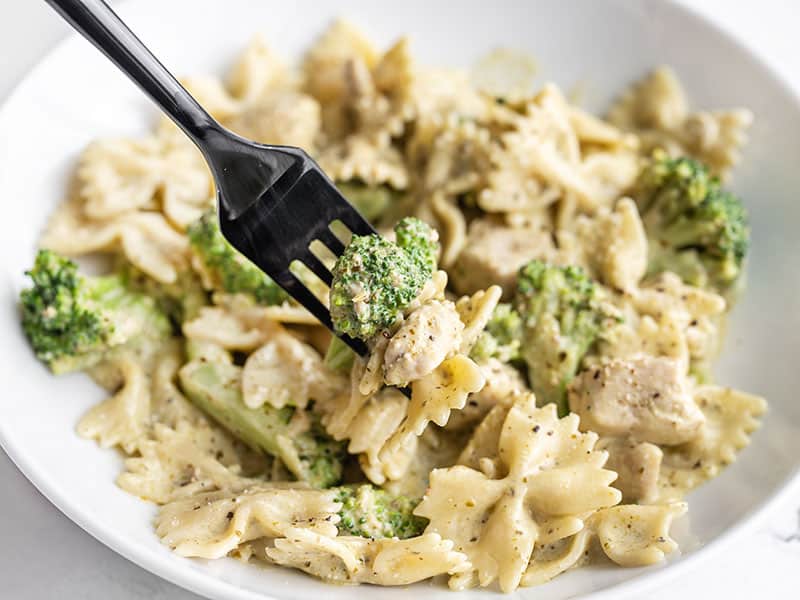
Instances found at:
x=273 y=201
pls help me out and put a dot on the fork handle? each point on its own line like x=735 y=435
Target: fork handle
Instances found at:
x=95 y=20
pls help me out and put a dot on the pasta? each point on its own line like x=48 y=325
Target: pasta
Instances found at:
x=269 y=374
x=657 y=110
x=243 y=421
x=120 y=420
x=211 y=525
x=635 y=536
x=730 y=418
x=182 y=462
x=360 y=560
x=537 y=492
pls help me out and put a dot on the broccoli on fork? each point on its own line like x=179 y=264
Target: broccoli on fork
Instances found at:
x=696 y=229
x=375 y=513
x=73 y=321
x=230 y=270
x=375 y=279
x=420 y=241
x=562 y=316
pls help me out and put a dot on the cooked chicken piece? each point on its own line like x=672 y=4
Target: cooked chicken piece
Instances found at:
x=502 y=383
x=428 y=336
x=645 y=397
x=637 y=465
x=615 y=245
x=494 y=253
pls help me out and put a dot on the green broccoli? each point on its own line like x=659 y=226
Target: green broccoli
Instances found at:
x=371 y=201
x=73 y=321
x=502 y=336
x=339 y=356
x=420 y=240
x=229 y=270
x=696 y=229
x=562 y=315
x=180 y=301
x=311 y=455
x=374 y=279
x=374 y=513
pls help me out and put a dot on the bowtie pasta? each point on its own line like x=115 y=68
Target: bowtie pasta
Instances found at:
x=541 y=314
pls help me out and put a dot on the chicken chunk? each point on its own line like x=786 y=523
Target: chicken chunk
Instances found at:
x=494 y=253
x=615 y=245
x=645 y=397
x=428 y=336
x=637 y=465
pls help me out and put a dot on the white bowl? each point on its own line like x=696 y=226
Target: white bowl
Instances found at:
x=74 y=95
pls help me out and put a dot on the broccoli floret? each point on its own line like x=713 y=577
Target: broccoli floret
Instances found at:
x=375 y=279
x=371 y=201
x=311 y=456
x=420 y=240
x=374 y=513
x=230 y=270
x=73 y=321
x=562 y=316
x=696 y=229
x=502 y=336
x=339 y=356
x=322 y=457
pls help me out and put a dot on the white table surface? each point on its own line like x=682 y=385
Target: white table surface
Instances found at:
x=44 y=555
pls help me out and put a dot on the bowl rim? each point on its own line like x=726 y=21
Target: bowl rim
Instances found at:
x=206 y=584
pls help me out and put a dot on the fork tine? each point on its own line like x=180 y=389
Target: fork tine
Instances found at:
x=355 y=222
x=280 y=224
x=306 y=297
x=329 y=240
x=317 y=267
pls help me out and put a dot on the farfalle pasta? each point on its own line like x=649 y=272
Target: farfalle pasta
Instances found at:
x=360 y=560
x=213 y=524
x=544 y=478
x=656 y=109
x=541 y=315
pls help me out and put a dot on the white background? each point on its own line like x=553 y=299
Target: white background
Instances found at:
x=44 y=555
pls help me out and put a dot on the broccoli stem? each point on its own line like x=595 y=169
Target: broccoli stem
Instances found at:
x=180 y=301
x=339 y=357
x=310 y=455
